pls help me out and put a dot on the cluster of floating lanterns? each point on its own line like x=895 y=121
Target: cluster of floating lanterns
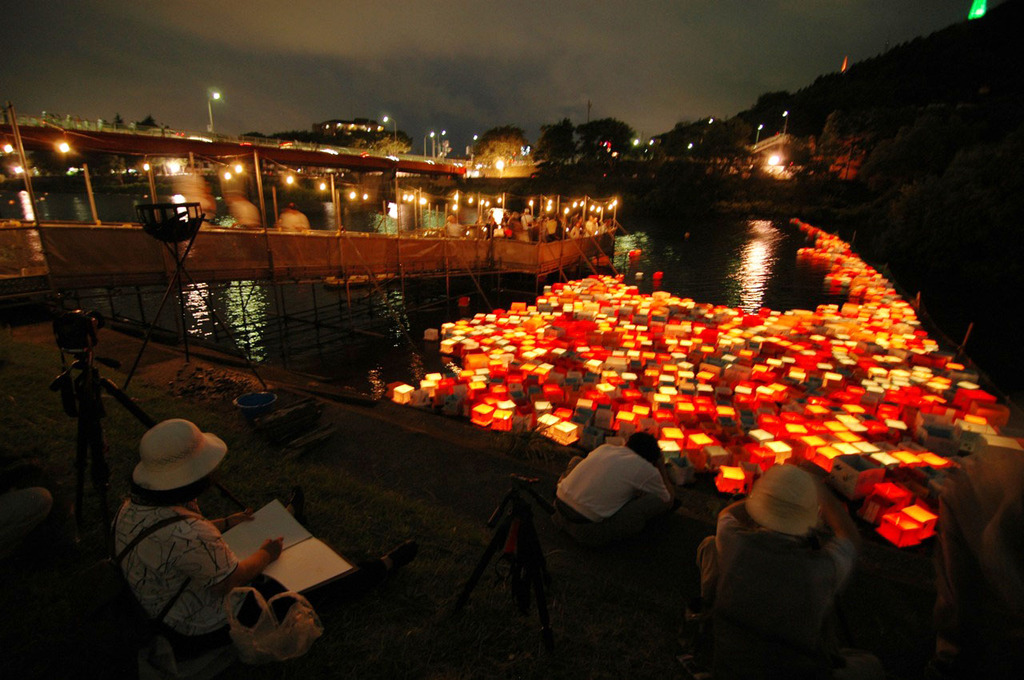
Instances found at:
x=858 y=389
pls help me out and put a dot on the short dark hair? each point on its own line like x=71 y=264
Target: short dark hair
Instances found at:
x=645 y=446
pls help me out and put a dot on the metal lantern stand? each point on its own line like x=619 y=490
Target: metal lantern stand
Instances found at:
x=175 y=224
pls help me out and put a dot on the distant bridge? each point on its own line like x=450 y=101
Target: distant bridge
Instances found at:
x=39 y=133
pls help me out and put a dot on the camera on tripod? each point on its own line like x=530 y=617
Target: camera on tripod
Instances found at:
x=75 y=331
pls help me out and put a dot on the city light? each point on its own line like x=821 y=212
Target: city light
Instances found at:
x=227 y=175
x=323 y=186
x=289 y=180
x=64 y=147
x=8 y=148
x=238 y=169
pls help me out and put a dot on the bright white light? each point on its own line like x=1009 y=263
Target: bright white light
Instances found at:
x=289 y=180
x=227 y=175
x=323 y=186
x=423 y=201
x=145 y=167
x=366 y=196
x=8 y=148
x=215 y=95
x=392 y=208
x=18 y=170
x=238 y=169
x=64 y=147
x=774 y=160
x=352 y=195
x=500 y=164
x=26 y=204
x=173 y=167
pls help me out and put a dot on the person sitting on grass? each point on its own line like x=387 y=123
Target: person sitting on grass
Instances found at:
x=771 y=584
x=614 y=491
x=191 y=557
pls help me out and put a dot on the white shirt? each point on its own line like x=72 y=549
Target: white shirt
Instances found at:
x=158 y=566
x=608 y=478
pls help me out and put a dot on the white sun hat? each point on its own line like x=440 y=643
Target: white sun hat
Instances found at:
x=176 y=453
x=785 y=499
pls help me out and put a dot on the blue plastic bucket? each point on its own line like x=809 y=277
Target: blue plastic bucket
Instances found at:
x=253 y=404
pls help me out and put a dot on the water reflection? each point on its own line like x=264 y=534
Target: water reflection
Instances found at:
x=247 y=311
x=197 y=301
x=757 y=264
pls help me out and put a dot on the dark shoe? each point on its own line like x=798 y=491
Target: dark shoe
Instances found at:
x=297 y=505
x=403 y=554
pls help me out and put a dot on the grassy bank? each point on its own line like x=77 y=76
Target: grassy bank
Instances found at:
x=605 y=626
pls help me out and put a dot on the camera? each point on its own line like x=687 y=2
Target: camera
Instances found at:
x=75 y=331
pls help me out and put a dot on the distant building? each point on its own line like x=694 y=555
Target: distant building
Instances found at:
x=341 y=128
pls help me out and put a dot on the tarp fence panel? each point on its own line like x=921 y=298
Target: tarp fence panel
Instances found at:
x=21 y=252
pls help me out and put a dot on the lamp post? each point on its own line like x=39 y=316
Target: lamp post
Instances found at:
x=395 y=123
x=431 y=135
x=785 y=123
x=209 y=107
x=757 y=137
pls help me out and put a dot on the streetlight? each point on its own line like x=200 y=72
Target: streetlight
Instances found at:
x=431 y=135
x=758 y=136
x=209 y=107
x=785 y=123
x=395 y=123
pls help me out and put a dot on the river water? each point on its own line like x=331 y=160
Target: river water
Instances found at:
x=740 y=263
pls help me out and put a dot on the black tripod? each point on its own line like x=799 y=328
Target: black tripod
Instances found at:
x=80 y=395
x=521 y=552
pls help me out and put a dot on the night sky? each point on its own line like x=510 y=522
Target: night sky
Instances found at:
x=464 y=66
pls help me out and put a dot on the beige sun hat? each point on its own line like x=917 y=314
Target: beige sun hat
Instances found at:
x=785 y=499
x=175 y=453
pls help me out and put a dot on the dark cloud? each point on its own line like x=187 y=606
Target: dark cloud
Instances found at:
x=463 y=65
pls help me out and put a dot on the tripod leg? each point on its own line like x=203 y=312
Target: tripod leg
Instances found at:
x=100 y=469
x=537 y=573
x=497 y=541
x=81 y=460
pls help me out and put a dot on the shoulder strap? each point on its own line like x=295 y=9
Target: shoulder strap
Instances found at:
x=156 y=526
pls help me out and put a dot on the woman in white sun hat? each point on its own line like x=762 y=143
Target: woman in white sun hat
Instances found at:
x=771 y=577
x=183 y=570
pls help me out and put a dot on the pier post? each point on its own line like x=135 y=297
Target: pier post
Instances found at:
x=88 y=191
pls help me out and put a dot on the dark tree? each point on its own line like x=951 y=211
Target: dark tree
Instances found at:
x=501 y=143
x=604 y=138
x=557 y=144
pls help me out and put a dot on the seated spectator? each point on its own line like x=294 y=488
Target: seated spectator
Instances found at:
x=614 y=491
x=24 y=505
x=176 y=461
x=772 y=585
x=979 y=566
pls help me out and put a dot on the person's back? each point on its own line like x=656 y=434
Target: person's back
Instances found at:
x=772 y=582
x=770 y=613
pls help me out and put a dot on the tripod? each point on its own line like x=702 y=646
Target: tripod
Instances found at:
x=81 y=398
x=516 y=535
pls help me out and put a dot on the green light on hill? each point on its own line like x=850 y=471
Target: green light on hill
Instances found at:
x=978 y=9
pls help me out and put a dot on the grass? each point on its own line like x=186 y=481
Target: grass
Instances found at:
x=605 y=626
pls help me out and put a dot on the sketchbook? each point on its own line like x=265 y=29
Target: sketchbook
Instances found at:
x=305 y=563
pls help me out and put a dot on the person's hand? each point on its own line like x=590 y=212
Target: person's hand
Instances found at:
x=273 y=547
x=238 y=518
